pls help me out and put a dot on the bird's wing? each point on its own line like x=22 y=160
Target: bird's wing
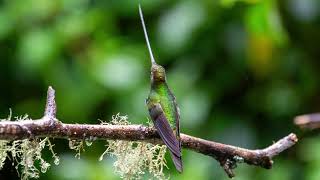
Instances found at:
x=164 y=129
x=166 y=133
x=178 y=159
x=177 y=118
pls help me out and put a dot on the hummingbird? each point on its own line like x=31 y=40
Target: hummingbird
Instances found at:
x=162 y=107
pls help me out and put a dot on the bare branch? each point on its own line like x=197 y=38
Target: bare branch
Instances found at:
x=51 y=107
x=227 y=155
x=308 y=121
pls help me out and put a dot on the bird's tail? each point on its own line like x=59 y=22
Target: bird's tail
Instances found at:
x=177 y=160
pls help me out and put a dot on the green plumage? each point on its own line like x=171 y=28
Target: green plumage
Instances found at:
x=160 y=93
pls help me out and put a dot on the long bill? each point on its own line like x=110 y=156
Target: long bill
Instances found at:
x=146 y=36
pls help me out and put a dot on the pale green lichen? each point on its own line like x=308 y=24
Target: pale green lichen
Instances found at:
x=76 y=145
x=3 y=152
x=134 y=159
x=238 y=159
x=25 y=154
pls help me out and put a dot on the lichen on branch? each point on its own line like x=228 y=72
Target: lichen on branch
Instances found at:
x=25 y=153
x=134 y=158
x=48 y=126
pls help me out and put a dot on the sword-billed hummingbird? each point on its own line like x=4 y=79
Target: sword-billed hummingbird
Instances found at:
x=162 y=107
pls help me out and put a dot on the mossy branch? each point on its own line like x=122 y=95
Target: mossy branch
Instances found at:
x=227 y=155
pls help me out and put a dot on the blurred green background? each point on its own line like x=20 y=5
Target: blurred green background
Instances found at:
x=240 y=69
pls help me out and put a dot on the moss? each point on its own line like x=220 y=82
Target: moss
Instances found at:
x=26 y=154
x=133 y=159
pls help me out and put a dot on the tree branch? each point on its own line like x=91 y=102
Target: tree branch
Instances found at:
x=308 y=121
x=227 y=155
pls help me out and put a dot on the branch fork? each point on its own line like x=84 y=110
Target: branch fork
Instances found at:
x=227 y=155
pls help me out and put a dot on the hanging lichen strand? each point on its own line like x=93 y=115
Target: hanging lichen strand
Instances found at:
x=26 y=153
x=135 y=158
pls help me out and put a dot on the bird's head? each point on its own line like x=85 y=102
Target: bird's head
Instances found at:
x=158 y=73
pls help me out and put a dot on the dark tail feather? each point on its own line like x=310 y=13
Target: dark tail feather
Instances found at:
x=177 y=162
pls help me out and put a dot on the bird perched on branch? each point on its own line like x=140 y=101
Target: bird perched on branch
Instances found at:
x=162 y=107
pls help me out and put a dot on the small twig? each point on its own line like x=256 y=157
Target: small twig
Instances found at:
x=51 y=107
x=308 y=121
x=227 y=155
